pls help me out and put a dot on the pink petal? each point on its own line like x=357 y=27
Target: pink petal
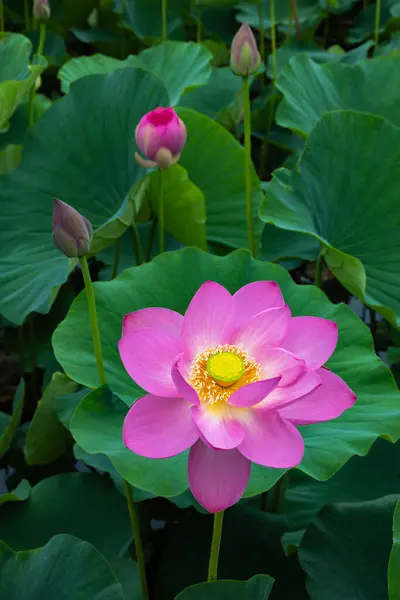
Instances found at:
x=272 y=441
x=210 y=319
x=148 y=356
x=217 y=478
x=286 y=394
x=182 y=387
x=277 y=362
x=311 y=338
x=255 y=297
x=266 y=330
x=160 y=318
x=326 y=402
x=218 y=425
x=253 y=393
x=159 y=427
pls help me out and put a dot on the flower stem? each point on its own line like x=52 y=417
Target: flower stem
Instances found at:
x=137 y=541
x=161 y=243
x=296 y=18
x=94 y=324
x=215 y=546
x=150 y=239
x=1 y=16
x=27 y=15
x=318 y=271
x=262 y=33
x=117 y=248
x=31 y=105
x=164 y=20
x=247 y=165
x=137 y=246
x=377 y=22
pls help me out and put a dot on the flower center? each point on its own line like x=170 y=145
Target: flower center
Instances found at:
x=225 y=368
x=218 y=372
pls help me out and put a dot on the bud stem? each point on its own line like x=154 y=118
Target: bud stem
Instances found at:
x=31 y=106
x=102 y=376
x=160 y=215
x=94 y=324
x=262 y=34
x=247 y=165
x=164 y=20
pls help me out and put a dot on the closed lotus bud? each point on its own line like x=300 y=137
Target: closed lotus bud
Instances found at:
x=72 y=232
x=41 y=10
x=245 y=57
x=160 y=136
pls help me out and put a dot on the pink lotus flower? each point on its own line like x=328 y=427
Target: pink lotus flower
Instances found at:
x=230 y=380
x=160 y=136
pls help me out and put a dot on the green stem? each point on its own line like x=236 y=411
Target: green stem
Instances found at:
x=262 y=32
x=137 y=541
x=137 y=245
x=377 y=22
x=164 y=19
x=290 y=22
x=117 y=248
x=161 y=243
x=319 y=265
x=215 y=546
x=27 y=15
x=150 y=240
x=31 y=105
x=42 y=39
x=93 y=319
x=273 y=41
x=1 y=16
x=247 y=165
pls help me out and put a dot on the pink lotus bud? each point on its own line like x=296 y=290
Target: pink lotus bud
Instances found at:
x=41 y=10
x=245 y=57
x=72 y=232
x=160 y=136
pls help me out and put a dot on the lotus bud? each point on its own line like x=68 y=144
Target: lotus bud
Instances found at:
x=160 y=136
x=245 y=57
x=72 y=232
x=41 y=10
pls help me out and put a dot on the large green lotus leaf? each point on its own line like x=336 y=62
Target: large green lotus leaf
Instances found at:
x=97 y=427
x=394 y=560
x=183 y=206
x=219 y=93
x=257 y=588
x=17 y=76
x=81 y=504
x=310 y=90
x=280 y=245
x=66 y=569
x=180 y=65
x=214 y=162
x=334 y=54
x=345 y=551
x=362 y=478
x=46 y=437
x=93 y=169
x=159 y=283
x=337 y=197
